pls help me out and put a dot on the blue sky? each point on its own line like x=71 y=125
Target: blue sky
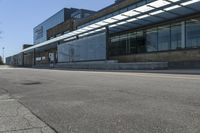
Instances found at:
x=19 y=17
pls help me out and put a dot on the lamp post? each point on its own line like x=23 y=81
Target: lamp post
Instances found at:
x=3 y=48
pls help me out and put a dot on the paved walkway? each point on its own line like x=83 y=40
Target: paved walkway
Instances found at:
x=5 y=67
x=15 y=118
x=167 y=71
x=174 y=71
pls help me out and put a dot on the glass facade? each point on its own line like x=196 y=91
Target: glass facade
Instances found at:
x=193 y=33
x=132 y=42
x=40 y=32
x=163 y=38
x=152 y=40
x=176 y=36
x=160 y=38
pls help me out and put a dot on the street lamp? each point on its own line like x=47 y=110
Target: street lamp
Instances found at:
x=3 y=48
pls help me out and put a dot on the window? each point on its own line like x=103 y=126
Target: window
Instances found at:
x=114 y=46
x=176 y=36
x=140 y=41
x=193 y=33
x=78 y=16
x=163 y=38
x=123 y=44
x=133 y=43
x=39 y=32
x=86 y=14
x=119 y=45
x=152 y=40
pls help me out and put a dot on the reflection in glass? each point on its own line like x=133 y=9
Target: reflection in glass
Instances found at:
x=133 y=43
x=193 y=33
x=176 y=36
x=152 y=40
x=123 y=44
x=140 y=41
x=163 y=38
x=114 y=46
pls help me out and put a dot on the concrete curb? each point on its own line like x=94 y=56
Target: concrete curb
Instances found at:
x=16 y=118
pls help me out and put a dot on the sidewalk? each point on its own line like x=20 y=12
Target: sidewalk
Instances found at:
x=164 y=71
x=173 y=71
x=4 y=66
x=167 y=71
x=15 y=118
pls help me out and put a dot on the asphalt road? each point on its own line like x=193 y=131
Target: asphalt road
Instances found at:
x=107 y=102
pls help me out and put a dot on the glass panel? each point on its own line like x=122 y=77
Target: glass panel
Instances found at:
x=193 y=33
x=123 y=44
x=152 y=40
x=140 y=41
x=163 y=38
x=114 y=46
x=133 y=43
x=176 y=36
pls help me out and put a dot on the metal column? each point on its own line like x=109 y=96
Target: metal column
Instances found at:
x=183 y=34
x=34 y=57
x=107 y=43
x=23 y=59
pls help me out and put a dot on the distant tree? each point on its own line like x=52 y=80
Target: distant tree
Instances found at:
x=1 y=61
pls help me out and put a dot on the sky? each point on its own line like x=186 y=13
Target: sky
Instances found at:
x=19 y=17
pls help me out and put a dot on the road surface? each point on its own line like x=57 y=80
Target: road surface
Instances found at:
x=107 y=102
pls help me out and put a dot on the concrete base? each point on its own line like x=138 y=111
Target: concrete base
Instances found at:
x=168 y=56
x=184 y=65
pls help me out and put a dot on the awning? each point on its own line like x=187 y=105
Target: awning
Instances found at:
x=152 y=12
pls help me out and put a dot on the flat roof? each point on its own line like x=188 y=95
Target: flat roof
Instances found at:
x=151 y=12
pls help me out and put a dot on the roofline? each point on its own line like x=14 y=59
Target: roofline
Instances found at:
x=49 y=18
x=65 y=9
x=108 y=10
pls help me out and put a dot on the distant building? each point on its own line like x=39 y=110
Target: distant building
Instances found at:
x=15 y=60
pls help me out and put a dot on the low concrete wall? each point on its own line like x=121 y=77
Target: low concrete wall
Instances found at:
x=184 y=65
x=171 y=56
